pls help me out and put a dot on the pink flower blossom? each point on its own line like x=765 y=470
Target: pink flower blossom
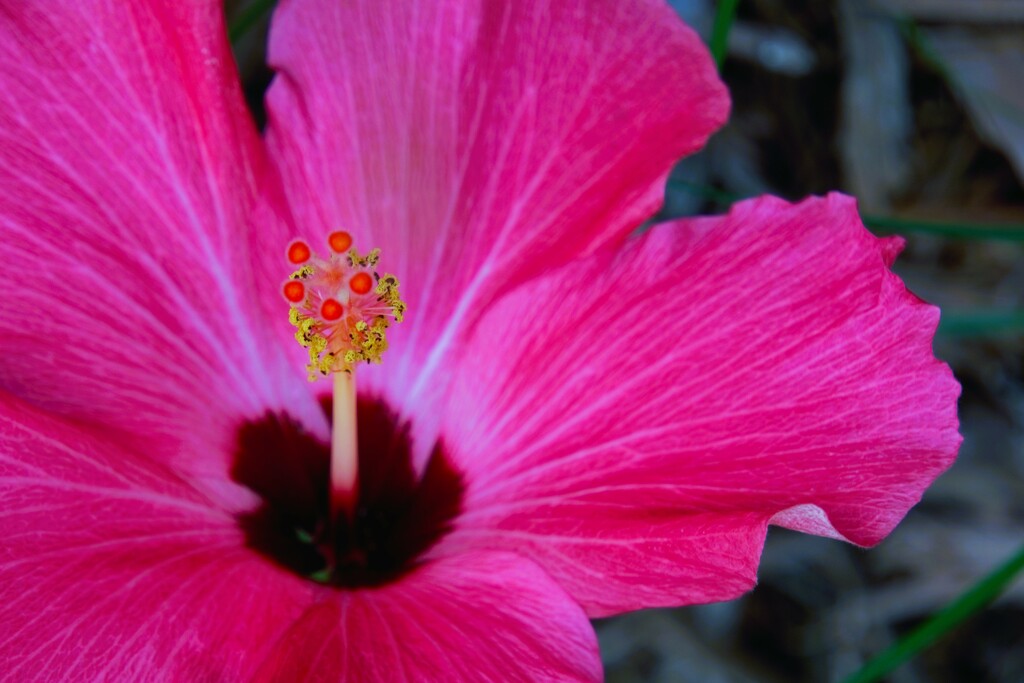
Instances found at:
x=571 y=422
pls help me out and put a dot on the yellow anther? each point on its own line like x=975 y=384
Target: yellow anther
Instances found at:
x=368 y=261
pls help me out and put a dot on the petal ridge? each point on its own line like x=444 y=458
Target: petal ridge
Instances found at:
x=131 y=171
x=112 y=566
x=713 y=376
x=511 y=621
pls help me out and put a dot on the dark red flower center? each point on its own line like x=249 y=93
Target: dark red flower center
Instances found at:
x=398 y=516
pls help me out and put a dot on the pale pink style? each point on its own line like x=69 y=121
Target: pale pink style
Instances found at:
x=624 y=415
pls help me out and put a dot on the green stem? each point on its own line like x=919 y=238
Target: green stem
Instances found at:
x=724 y=16
x=981 y=323
x=978 y=596
x=248 y=18
x=1009 y=232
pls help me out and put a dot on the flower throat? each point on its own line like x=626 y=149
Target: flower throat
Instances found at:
x=397 y=516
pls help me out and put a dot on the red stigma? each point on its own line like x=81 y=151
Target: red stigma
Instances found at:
x=298 y=252
x=294 y=291
x=331 y=309
x=361 y=283
x=339 y=241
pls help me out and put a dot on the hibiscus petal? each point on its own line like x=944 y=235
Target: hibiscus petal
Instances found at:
x=477 y=617
x=634 y=423
x=111 y=568
x=130 y=169
x=478 y=143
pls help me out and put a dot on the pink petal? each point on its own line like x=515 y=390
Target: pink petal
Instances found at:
x=130 y=171
x=634 y=423
x=478 y=617
x=113 y=569
x=479 y=143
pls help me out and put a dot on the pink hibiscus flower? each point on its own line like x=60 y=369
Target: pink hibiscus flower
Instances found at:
x=570 y=422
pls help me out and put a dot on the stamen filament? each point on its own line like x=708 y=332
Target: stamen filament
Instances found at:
x=344 y=446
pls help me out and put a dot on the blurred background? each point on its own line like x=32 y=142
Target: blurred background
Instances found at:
x=916 y=107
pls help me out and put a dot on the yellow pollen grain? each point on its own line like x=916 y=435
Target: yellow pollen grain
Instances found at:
x=301 y=273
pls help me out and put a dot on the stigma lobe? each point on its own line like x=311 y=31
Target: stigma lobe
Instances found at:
x=298 y=252
x=361 y=283
x=294 y=291
x=339 y=241
x=331 y=309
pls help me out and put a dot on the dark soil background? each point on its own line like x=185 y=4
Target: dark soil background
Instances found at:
x=917 y=108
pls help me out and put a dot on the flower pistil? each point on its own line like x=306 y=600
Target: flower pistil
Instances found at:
x=341 y=308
